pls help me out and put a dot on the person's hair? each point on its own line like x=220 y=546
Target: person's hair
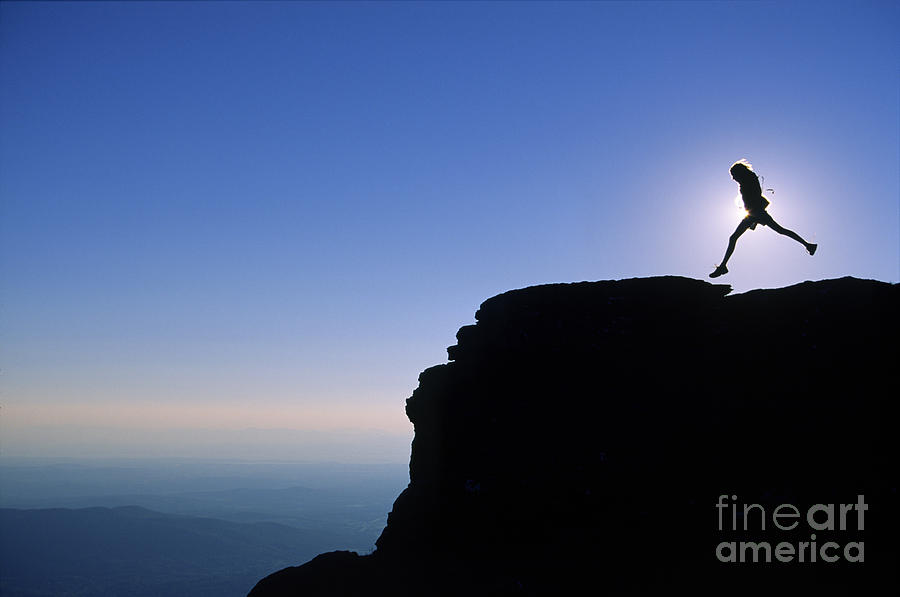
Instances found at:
x=741 y=169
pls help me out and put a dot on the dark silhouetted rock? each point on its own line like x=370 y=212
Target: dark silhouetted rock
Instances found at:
x=582 y=434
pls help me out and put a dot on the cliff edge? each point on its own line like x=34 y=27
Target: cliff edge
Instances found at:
x=634 y=436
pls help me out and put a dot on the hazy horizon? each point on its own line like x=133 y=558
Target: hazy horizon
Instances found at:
x=76 y=443
x=245 y=228
x=180 y=526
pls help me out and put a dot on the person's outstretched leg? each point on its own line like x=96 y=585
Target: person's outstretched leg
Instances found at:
x=732 y=241
x=810 y=247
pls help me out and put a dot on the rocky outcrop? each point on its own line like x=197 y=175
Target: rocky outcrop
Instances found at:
x=583 y=434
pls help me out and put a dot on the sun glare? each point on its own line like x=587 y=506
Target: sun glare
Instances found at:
x=739 y=203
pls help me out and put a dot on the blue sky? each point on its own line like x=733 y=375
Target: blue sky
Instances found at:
x=236 y=215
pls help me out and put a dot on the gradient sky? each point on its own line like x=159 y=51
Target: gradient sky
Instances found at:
x=252 y=215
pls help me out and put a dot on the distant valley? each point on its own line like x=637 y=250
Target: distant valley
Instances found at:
x=137 y=552
x=138 y=529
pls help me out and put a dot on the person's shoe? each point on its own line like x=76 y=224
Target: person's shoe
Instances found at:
x=720 y=270
x=812 y=248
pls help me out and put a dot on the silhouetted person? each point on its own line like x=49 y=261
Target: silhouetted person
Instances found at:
x=755 y=204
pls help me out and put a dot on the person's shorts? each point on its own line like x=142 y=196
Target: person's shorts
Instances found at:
x=759 y=217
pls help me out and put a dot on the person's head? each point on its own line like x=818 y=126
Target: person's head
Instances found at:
x=741 y=170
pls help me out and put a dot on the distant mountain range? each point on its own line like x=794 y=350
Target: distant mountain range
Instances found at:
x=352 y=518
x=134 y=552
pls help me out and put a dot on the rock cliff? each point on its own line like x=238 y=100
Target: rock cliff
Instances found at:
x=605 y=437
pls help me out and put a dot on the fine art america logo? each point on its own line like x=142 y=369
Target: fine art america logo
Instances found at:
x=787 y=517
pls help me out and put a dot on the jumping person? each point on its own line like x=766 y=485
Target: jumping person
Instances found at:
x=755 y=204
